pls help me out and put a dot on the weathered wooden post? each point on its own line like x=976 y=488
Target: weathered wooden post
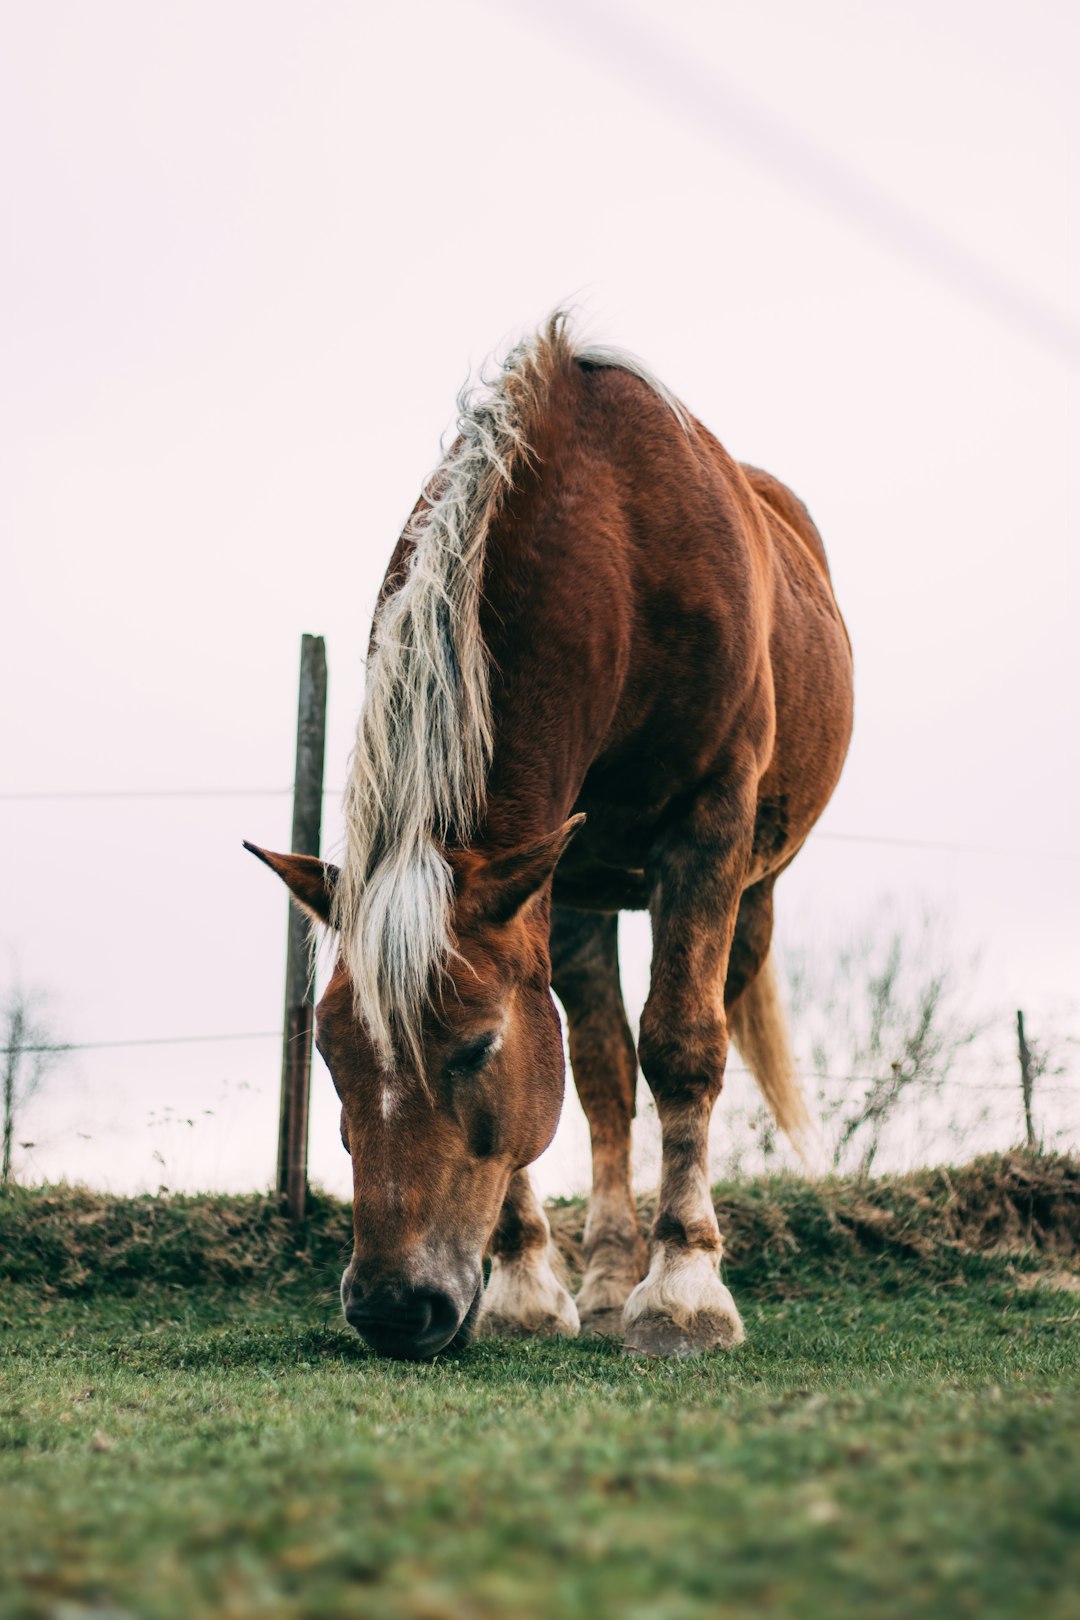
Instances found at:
x=299 y=1003
x=1027 y=1078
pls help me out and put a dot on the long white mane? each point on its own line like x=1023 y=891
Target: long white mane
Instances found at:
x=418 y=772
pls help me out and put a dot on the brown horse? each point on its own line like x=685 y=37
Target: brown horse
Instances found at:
x=607 y=671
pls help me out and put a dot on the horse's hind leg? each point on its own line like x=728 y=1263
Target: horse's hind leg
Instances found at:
x=524 y=1294
x=696 y=875
x=585 y=976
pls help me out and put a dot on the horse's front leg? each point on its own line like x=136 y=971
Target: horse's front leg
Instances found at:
x=585 y=977
x=682 y=1307
x=524 y=1294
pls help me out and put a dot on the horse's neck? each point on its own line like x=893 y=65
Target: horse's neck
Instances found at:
x=552 y=635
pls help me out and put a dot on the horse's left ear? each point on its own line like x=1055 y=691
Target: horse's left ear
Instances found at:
x=510 y=881
x=311 y=882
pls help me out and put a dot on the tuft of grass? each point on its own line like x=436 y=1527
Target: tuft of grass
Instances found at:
x=82 y=1243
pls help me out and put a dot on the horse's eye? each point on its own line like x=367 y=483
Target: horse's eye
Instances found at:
x=470 y=1058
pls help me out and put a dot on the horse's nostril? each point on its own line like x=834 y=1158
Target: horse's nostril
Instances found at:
x=413 y=1324
x=443 y=1315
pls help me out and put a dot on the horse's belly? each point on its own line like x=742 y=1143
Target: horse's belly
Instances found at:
x=588 y=887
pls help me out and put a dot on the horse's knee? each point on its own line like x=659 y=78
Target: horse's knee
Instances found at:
x=683 y=1059
x=584 y=956
x=604 y=1057
x=585 y=977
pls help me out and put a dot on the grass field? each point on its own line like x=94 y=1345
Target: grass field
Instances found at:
x=186 y=1429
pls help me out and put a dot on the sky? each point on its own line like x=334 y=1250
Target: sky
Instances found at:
x=250 y=253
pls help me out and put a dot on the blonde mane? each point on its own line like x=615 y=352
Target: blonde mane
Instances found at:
x=418 y=772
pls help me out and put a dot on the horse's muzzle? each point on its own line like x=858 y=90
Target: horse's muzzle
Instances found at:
x=409 y=1324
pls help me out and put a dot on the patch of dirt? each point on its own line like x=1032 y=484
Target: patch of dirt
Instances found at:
x=1065 y=1282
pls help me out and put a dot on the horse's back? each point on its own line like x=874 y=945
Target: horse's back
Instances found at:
x=717 y=558
x=783 y=503
x=738 y=647
x=676 y=478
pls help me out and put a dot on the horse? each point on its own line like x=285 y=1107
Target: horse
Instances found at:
x=607 y=671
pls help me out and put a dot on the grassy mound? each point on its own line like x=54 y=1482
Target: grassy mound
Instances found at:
x=189 y=1431
x=781 y=1234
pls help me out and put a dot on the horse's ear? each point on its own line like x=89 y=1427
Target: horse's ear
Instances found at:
x=509 y=882
x=310 y=881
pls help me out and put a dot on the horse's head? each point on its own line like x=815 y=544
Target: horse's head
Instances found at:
x=436 y=1135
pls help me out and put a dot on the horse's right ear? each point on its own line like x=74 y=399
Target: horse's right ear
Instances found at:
x=311 y=882
x=507 y=883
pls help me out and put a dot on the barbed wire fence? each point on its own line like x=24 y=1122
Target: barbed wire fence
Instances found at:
x=966 y=1091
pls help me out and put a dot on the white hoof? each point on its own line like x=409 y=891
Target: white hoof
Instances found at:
x=682 y=1308
x=524 y=1299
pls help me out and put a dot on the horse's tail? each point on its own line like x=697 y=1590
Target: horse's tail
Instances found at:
x=759 y=1029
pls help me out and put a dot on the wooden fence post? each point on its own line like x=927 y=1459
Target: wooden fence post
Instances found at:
x=299 y=1005
x=1027 y=1078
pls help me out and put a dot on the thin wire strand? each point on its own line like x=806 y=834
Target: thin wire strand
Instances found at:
x=147 y=1040
x=145 y=793
x=975 y=1087
x=942 y=845
x=890 y=840
x=629 y=49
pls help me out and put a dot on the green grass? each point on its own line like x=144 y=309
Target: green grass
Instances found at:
x=897 y=1438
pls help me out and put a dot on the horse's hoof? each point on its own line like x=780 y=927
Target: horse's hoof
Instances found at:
x=681 y=1309
x=524 y=1299
x=494 y=1326
x=655 y=1335
x=603 y=1323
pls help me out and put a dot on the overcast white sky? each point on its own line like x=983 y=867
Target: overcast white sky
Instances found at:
x=249 y=252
